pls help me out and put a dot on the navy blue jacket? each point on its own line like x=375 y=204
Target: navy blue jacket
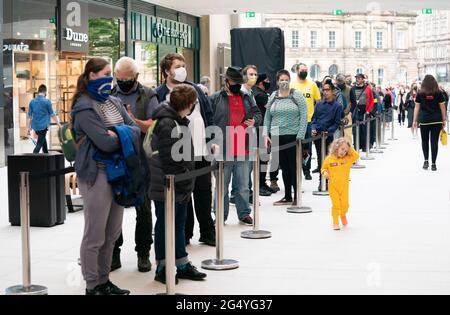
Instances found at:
x=327 y=117
x=205 y=105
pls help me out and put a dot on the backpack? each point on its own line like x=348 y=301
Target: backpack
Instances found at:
x=127 y=172
x=68 y=144
x=147 y=144
x=291 y=96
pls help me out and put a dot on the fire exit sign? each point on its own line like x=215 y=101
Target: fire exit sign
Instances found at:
x=338 y=12
x=427 y=11
x=250 y=14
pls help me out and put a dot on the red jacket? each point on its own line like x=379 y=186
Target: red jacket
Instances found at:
x=370 y=101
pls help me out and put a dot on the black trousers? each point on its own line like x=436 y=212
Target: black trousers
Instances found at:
x=41 y=142
x=288 y=164
x=401 y=114
x=431 y=134
x=144 y=228
x=202 y=203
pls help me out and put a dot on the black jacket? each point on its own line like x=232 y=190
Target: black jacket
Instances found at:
x=162 y=163
x=261 y=98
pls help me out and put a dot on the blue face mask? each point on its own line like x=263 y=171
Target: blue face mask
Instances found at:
x=100 y=89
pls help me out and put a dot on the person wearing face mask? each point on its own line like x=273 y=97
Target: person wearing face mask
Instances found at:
x=311 y=92
x=362 y=100
x=94 y=114
x=286 y=118
x=234 y=112
x=173 y=69
x=140 y=103
x=345 y=91
x=260 y=92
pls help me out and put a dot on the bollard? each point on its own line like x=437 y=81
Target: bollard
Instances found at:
x=383 y=132
x=298 y=208
x=220 y=263
x=323 y=182
x=378 y=148
x=392 y=129
x=170 y=235
x=358 y=165
x=256 y=233
x=367 y=157
x=27 y=288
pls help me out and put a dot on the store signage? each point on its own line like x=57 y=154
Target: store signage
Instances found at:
x=160 y=31
x=73 y=26
x=16 y=47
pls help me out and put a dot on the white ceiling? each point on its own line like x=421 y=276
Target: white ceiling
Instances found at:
x=208 y=7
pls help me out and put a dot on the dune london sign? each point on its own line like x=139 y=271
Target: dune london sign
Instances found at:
x=73 y=26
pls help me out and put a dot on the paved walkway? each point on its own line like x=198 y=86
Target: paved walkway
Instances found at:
x=398 y=241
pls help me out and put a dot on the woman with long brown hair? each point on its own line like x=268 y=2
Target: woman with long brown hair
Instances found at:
x=430 y=115
x=94 y=114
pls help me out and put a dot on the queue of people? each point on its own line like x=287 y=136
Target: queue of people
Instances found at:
x=116 y=114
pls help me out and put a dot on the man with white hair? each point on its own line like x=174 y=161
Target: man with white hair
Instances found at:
x=140 y=102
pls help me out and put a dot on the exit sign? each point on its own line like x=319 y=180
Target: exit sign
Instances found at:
x=250 y=14
x=52 y=20
x=427 y=11
x=338 y=12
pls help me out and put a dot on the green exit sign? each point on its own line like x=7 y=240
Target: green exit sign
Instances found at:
x=52 y=20
x=250 y=14
x=427 y=11
x=338 y=12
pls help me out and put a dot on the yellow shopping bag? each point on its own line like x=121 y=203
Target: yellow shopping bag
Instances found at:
x=443 y=137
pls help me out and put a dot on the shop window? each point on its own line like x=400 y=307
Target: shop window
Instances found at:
x=146 y=55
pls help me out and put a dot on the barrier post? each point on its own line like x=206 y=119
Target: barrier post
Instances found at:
x=358 y=164
x=393 y=127
x=220 y=263
x=299 y=208
x=368 y=157
x=170 y=235
x=256 y=233
x=378 y=148
x=383 y=132
x=323 y=183
x=27 y=288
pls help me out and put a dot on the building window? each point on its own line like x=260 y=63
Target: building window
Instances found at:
x=332 y=39
x=333 y=70
x=380 y=76
x=401 y=40
x=295 y=39
x=315 y=72
x=359 y=71
x=314 y=40
x=379 y=40
x=358 y=40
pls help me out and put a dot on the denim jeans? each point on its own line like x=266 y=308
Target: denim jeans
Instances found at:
x=240 y=172
x=235 y=186
x=160 y=234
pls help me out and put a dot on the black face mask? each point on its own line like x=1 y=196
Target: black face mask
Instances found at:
x=342 y=86
x=126 y=86
x=303 y=75
x=266 y=85
x=235 y=89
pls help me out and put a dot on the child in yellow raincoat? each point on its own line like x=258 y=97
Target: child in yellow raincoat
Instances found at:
x=336 y=168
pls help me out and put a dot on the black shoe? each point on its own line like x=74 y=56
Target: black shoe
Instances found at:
x=265 y=191
x=96 y=291
x=116 y=263
x=308 y=176
x=316 y=171
x=426 y=165
x=144 y=264
x=161 y=277
x=434 y=167
x=110 y=289
x=190 y=273
x=208 y=239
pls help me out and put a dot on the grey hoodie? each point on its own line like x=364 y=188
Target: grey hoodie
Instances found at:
x=87 y=122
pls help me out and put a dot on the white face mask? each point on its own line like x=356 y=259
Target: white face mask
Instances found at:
x=284 y=85
x=180 y=75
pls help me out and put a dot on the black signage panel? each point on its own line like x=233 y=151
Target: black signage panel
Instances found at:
x=73 y=26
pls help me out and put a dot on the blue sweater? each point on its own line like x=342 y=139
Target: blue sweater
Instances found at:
x=327 y=117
